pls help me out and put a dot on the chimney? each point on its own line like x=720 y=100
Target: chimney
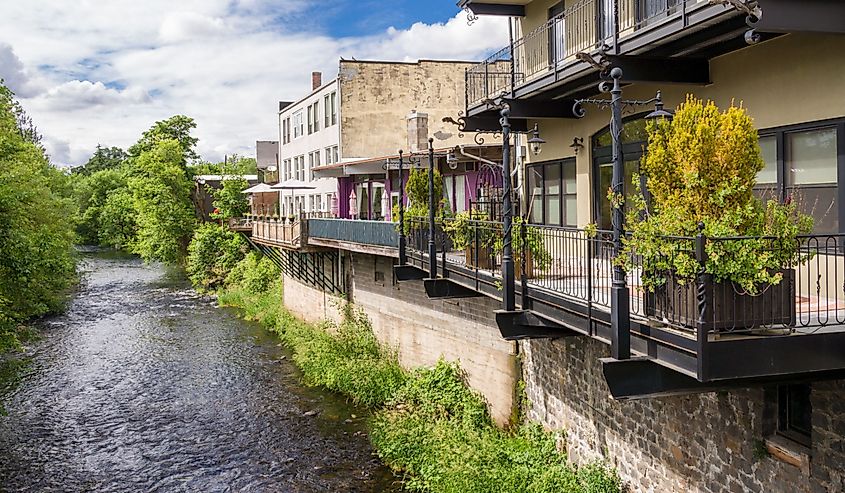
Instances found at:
x=417 y=131
x=316 y=80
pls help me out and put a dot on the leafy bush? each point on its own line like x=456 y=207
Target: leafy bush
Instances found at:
x=37 y=260
x=229 y=200
x=214 y=251
x=701 y=167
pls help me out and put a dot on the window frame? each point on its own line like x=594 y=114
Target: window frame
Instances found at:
x=785 y=427
x=781 y=187
x=541 y=168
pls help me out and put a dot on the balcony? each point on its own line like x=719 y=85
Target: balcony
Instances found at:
x=557 y=59
x=374 y=237
x=688 y=336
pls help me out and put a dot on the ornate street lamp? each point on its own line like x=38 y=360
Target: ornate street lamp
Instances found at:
x=432 y=248
x=535 y=142
x=620 y=317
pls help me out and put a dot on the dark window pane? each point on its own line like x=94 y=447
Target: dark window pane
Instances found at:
x=552 y=179
x=811 y=157
x=795 y=412
x=820 y=202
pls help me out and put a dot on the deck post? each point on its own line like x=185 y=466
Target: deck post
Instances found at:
x=402 y=253
x=509 y=287
x=432 y=248
x=620 y=317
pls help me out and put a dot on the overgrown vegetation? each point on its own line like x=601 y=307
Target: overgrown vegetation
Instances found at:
x=427 y=425
x=37 y=262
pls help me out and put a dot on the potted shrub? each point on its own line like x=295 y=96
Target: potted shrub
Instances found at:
x=536 y=253
x=700 y=171
x=468 y=232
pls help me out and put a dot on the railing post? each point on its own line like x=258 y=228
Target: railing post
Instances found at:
x=523 y=262
x=486 y=79
x=402 y=240
x=620 y=316
x=466 y=110
x=704 y=294
x=432 y=248
x=616 y=26
x=509 y=295
x=513 y=58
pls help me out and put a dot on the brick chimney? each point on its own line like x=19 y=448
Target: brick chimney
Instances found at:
x=417 y=131
x=316 y=80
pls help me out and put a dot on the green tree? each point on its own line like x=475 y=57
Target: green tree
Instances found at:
x=176 y=128
x=161 y=199
x=91 y=193
x=37 y=263
x=229 y=200
x=212 y=254
x=104 y=158
x=118 y=227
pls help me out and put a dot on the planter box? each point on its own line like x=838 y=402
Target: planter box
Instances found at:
x=483 y=259
x=728 y=308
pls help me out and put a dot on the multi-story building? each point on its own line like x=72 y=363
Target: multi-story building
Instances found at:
x=309 y=136
x=783 y=61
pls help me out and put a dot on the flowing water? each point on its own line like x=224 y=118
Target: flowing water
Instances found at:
x=145 y=386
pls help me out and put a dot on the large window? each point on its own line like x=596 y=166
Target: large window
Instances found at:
x=552 y=190
x=286 y=130
x=298 y=124
x=804 y=164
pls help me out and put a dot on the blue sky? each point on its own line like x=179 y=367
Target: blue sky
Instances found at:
x=367 y=17
x=102 y=71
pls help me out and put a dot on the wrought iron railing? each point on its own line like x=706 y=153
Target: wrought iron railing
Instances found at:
x=578 y=265
x=583 y=27
x=378 y=233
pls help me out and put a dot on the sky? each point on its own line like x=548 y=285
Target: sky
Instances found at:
x=102 y=71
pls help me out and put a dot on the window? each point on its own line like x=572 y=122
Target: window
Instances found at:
x=795 y=413
x=316 y=116
x=286 y=171
x=327 y=111
x=328 y=202
x=311 y=204
x=318 y=203
x=286 y=130
x=331 y=109
x=329 y=155
x=553 y=192
x=310 y=120
x=802 y=164
x=298 y=125
x=335 y=157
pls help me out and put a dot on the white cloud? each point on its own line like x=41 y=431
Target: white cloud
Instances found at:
x=14 y=75
x=105 y=71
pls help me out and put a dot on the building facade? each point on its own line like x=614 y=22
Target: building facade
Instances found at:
x=309 y=136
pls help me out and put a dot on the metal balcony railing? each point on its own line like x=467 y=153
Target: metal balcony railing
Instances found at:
x=577 y=265
x=376 y=233
x=583 y=27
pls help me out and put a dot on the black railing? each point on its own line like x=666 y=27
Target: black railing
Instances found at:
x=583 y=27
x=577 y=264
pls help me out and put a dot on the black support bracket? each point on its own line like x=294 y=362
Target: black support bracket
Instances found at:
x=672 y=70
x=524 y=324
x=444 y=289
x=484 y=8
x=409 y=273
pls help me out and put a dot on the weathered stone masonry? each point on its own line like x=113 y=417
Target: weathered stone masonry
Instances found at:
x=696 y=443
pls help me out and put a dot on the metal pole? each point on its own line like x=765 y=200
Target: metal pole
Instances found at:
x=432 y=248
x=509 y=295
x=620 y=317
x=402 y=253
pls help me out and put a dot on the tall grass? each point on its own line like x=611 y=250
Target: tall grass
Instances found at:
x=427 y=425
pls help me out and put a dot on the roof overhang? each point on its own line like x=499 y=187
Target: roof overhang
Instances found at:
x=515 y=8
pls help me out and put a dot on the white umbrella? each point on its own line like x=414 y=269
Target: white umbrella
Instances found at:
x=385 y=207
x=335 y=205
x=353 y=205
x=260 y=188
x=291 y=185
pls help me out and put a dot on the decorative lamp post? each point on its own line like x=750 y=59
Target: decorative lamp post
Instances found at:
x=620 y=317
x=402 y=240
x=432 y=248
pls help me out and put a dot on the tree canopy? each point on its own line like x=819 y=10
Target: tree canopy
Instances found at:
x=176 y=128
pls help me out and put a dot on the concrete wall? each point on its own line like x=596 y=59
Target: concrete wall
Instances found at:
x=421 y=330
x=376 y=98
x=698 y=443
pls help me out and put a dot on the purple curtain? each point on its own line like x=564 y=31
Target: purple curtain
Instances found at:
x=344 y=189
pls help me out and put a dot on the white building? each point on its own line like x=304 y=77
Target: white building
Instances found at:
x=309 y=136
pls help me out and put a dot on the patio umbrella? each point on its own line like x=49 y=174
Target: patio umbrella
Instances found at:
x=260 y=188
x=385 y=207
x=353 y=205
x=335 y=205
x=291 y=185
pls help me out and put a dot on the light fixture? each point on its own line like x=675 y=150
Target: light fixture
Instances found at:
x=452 y=160
x=271 y=169
x=535 y=142
x=577 y=144
x=659 y=113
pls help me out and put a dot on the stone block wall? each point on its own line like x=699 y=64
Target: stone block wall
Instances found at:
x=696 y=443
x=421 y=330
